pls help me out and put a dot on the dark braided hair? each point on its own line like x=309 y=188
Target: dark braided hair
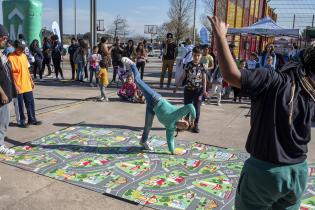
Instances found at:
x=308 y=58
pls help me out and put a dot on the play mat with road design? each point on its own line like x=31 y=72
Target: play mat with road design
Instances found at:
x=110 y=161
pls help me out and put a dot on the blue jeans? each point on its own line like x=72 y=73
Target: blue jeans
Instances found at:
x=152 y=98
x=80 y=71
x=4 y=122
x=102 y=89
x=93 y=72
x=28 y=100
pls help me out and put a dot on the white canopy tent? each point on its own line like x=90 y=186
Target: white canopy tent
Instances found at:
x=265 y=27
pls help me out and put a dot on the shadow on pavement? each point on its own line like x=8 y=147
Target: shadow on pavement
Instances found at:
x=64 y=99
x=13 y=142
x=99 y=149
x=62 y=83
x=105 y=126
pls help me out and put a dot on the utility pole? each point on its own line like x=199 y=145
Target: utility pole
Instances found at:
x=293 y=21
x=61 y=21
x=93 y=33
x=194 y=27
x=75 y=19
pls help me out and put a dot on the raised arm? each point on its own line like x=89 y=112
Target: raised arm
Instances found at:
x=228 y=68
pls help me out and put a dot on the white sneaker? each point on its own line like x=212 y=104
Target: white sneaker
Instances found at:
x=127 y=61
x=102 y=99
x=106 y=99
x=146 y=146
x=6 y=151
x=219 y=104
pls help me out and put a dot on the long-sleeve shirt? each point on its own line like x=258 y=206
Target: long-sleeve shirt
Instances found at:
x=169 y=114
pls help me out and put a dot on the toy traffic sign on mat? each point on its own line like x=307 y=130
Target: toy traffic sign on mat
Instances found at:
x=111 y=161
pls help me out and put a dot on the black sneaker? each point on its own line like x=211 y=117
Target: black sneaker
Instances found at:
x=22 y=125
x=196 y=129
x=35 y=123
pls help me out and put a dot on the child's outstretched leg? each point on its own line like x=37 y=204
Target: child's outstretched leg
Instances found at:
x=152 y=98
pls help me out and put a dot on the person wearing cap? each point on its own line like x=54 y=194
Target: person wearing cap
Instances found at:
x=24 y=85
x=283 y=104
x=168 y=59
x=7 y=92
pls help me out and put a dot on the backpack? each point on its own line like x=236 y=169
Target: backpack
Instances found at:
x=184 y=66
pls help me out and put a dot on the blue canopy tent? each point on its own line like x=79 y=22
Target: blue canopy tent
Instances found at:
x=265 y=27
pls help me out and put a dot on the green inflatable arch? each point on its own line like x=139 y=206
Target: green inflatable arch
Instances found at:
x=23 y=17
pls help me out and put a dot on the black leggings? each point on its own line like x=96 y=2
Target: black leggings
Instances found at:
x=72 y=69
x=140 y=66
x=195 y=97
x=237 y=93
x=57 y=66
x=37 y=68
x=46 y=62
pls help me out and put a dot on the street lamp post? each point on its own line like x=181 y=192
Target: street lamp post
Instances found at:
x=93 y=23
x=75 y=19
x=194 y=27
x=61 y=21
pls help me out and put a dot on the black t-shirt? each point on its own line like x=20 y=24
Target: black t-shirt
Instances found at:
x=170 y=51
x=272 y=137
x=6 y=80
x=117 y=52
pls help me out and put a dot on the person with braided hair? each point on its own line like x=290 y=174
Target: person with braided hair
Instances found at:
x=275 y=175
x=168 y=115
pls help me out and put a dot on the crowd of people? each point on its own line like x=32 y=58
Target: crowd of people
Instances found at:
x=197 y=69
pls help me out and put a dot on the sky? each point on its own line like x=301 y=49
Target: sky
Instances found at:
x=154 y=12
x=137 y=12
x=302 y=9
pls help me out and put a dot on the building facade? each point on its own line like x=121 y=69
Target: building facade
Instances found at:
x=242 y=13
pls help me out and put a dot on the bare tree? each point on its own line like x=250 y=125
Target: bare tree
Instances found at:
x=179 y=13
x=162 y=31
x=119 y=27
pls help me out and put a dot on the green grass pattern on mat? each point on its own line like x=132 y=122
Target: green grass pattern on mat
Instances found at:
x=111 y=161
